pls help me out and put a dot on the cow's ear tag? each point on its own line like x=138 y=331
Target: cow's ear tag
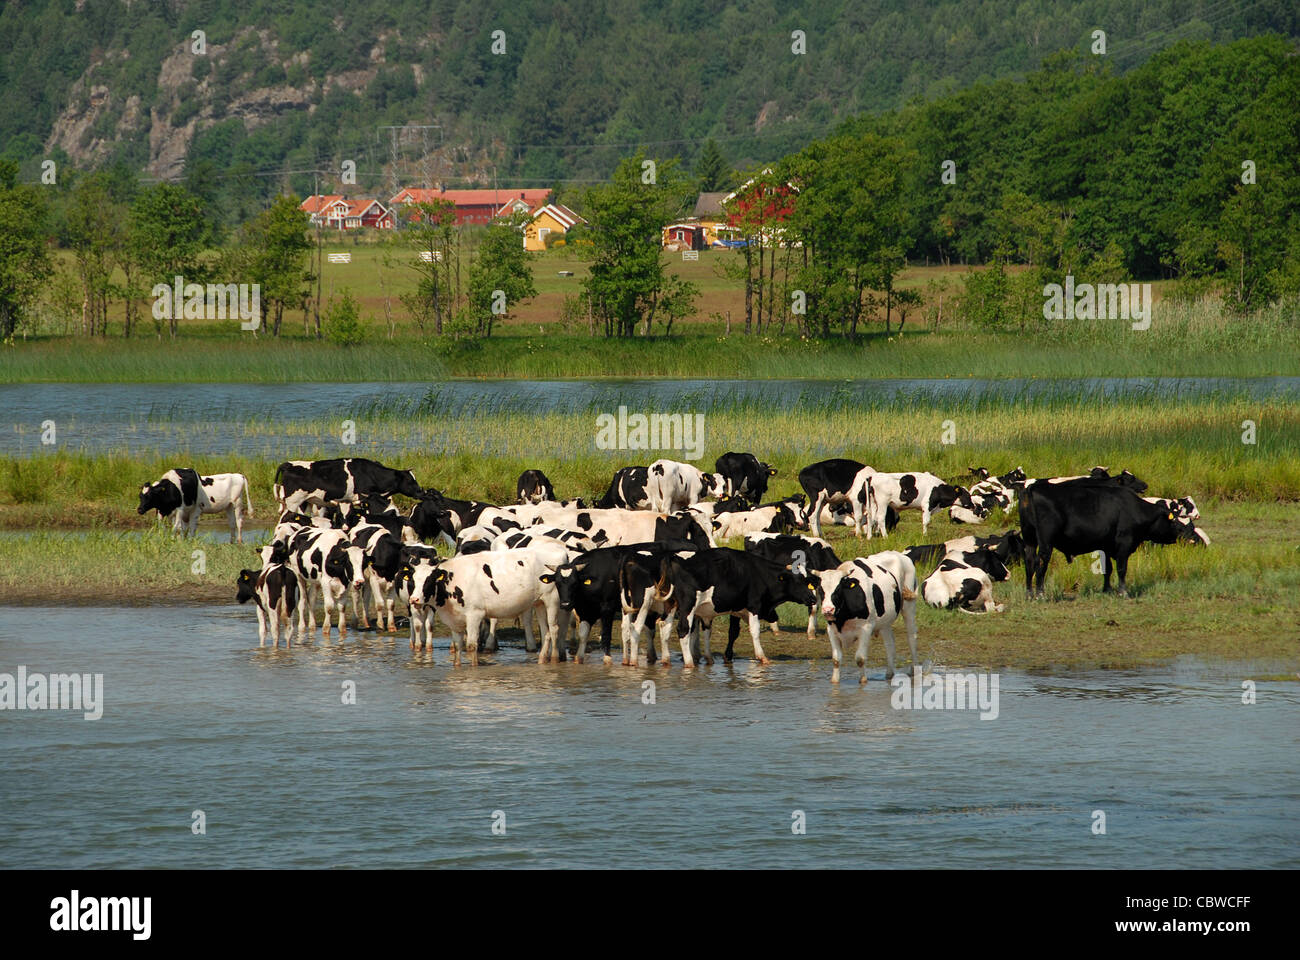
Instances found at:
x=1171 y=516
x=546 y=578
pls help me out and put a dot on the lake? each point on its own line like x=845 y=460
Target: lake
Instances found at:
x=585 y=774
x=215 y=418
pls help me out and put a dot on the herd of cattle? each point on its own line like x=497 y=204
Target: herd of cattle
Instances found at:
x=646 y=552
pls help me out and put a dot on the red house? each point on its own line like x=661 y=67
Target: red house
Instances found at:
x=474 y=206
x=770 y=203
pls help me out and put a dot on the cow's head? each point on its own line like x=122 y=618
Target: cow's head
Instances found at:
x=1126 y=479
x=407 y=486
x=273 y=553
x=848 y=601
x=945 y=495
x=246 y=584
x=162 y=495
x=800 y=585
x=981 y=473
x=732 y=504
x=347 y=564
x=770 y=471
x=1168 y=528
x=570 y=580
x=1013 y=477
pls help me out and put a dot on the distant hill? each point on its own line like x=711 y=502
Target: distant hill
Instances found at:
x=306 y=84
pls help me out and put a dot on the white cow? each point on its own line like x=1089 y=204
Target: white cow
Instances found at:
x=961 y=585
x=672 y=485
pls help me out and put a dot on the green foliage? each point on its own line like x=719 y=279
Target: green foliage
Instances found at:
x=343 y=324
x=628 y=286
x=24 y=259
x=500 y=274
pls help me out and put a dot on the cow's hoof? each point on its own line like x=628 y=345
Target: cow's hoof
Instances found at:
x=765 y=661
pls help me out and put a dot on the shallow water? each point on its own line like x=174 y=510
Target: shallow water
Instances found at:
x=196 y=716
x=213 y=417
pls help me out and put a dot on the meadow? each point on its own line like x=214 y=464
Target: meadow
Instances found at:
x=540 y=341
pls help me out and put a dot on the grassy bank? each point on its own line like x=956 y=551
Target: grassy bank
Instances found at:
x=1184 y=340
x=1233 y=600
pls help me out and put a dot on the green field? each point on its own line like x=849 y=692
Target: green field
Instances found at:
x=535 y=343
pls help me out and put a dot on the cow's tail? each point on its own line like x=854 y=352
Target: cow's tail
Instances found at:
x=248 y=494
x=907 y=594
x=663 y=586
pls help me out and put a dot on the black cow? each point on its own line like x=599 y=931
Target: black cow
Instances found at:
x=627 y=490
x=1080 y=516
x=828 y=482
x=438 y=516
x=712 y=582
x=534 y=486
x=302 y=481
x=781 y=548
x=745 y=474
x=588 y=587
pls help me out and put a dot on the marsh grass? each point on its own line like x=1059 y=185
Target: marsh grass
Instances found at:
x=1196 y=339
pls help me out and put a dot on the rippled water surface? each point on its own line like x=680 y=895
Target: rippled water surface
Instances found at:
x=196 y=717
x=216 y=417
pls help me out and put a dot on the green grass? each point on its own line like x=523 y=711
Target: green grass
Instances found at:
x=1184 y=340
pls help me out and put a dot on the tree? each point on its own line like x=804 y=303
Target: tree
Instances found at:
x=500 y=275
x=274 y=252
x=24 y=259
x=166 y=236
x=94 y=227
x=711 y=169
x=628 y=285
x=429 y=246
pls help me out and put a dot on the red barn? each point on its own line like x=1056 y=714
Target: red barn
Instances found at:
x=474 y=206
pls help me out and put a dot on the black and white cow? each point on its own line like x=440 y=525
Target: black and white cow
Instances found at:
x=274 y=589
x=465 y=591
x=779 y=517
x=627 y=490
x=712 y=582
x=383 y=551
x=1011 y=480
x=325 y=562
x=588 y=587
x=189 y=495
x=959 y=584
x=673 y=485
x=870 y=594
x=440 y=517
x=1184 y=508
x=911 y=491
x=299 y=482
x=745 y=474
x=828 y=483
x=613 y=527
x=1081 y=516
x=798 y=553
x=1008 y=546
x=534 y=486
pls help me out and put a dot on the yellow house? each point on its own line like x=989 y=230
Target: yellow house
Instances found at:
x=550 y=220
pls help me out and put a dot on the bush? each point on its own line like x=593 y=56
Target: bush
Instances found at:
x=343 y=324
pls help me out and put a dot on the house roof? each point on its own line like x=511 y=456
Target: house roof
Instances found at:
x=560 y=214
x=318 y=202
x=471 y=198
x=709 y=204
x=362 y=205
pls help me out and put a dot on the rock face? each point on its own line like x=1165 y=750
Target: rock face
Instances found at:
x=95 y=119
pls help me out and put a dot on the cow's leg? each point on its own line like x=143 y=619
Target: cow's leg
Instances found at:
x=584 y=630
x=864 y=645
x=909 y=620
x=417 y=624
x=812 y=621
x=686 y=631
x=236 y=524
x=755 y=628
x=1105 y=574
x=664 y=631
x=625 y=635
x=261 y=626
x=925 y=518
x=1044 y=558
x=886 y=634
x=1121 y=569
x=606 y=637
x=816 y=517
x=1030 y=557
x=836 y=651
x=702 y=638
x=733 y=631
